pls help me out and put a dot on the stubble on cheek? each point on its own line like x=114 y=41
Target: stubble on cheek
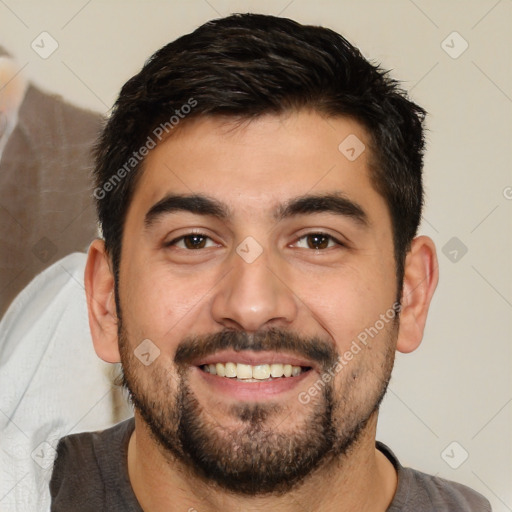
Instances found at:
x=363 y=382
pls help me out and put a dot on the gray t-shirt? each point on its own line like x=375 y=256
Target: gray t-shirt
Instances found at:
x=90 y=474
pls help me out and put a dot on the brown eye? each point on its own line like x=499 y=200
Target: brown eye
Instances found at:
x=192 y=242
x=318 y=241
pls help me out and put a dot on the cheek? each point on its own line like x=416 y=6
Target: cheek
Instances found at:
x=366 y=364
x=347 y=301
x=157 y=302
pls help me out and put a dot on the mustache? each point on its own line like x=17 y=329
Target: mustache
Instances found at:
x=313 y=348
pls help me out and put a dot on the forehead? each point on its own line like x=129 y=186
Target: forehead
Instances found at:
x=254 y=166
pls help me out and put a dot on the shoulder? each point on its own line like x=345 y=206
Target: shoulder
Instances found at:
x=420 y=492
x=87 y=466
x=444 y=494
x=88 y=447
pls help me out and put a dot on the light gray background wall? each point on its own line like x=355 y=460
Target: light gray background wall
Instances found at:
x=457 y=387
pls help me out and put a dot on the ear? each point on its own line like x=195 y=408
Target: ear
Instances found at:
x=99 y=289
x=421 y=275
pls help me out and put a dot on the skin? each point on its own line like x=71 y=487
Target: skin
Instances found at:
x=167 y=293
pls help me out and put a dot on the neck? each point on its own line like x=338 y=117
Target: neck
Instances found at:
x=363 y=480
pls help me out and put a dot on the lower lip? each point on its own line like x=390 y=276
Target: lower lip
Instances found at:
x=252 y=390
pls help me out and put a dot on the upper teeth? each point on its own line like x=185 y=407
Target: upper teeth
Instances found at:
x=247 y=371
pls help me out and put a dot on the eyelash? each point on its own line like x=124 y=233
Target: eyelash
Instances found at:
x=202 y=235
x=180 y=238
x=322 y=234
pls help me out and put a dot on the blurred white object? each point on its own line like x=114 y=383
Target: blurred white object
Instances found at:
x=52 y=383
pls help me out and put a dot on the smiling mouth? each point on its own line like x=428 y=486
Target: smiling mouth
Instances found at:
x=254 y=373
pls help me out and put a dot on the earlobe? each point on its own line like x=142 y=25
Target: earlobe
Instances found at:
x=100 y=290
x=420 y=280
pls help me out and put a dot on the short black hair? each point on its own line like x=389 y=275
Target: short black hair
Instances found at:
x=247 y=65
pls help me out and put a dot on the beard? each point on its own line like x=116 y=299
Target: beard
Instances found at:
x=256 y=457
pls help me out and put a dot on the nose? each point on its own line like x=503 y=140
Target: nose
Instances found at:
x=253 y=296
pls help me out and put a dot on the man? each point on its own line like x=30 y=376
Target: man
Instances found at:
x=259 y=189
x=45 y=161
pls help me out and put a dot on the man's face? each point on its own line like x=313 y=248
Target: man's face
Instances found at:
x=252 y=272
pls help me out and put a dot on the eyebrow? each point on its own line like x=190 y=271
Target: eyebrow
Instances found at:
x=199 y=204
x=335 y=203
